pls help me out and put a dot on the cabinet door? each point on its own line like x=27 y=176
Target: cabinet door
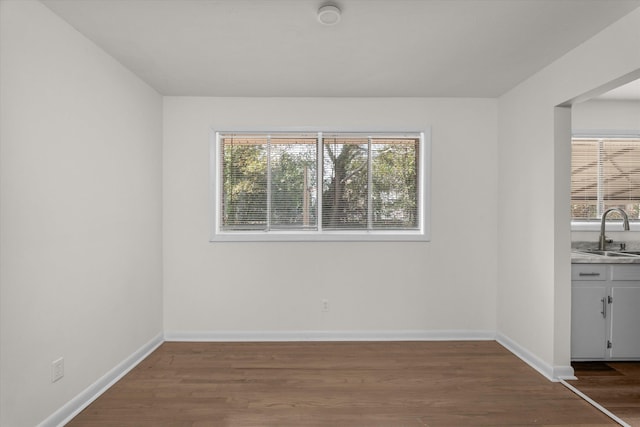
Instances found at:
x=588 y=322
x=625 y=322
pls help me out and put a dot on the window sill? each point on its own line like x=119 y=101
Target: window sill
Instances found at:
x=324 y=236
x=612 y=226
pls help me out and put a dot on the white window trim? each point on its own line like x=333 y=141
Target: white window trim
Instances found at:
x=594 y=225
x=422 y=233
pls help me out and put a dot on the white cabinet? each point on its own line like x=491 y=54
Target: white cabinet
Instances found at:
x=625 y=322
x=605 y=312
x=588 y=326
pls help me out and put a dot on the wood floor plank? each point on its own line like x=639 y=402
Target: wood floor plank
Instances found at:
x=338 y=384
x=614 y=385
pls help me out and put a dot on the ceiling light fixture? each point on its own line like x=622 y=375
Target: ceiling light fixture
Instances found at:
x=329 y=15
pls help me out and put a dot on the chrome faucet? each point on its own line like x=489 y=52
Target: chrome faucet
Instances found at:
x=625 y=224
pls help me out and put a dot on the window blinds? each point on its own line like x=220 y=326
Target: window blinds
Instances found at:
x=605 y=173
x=271 y=181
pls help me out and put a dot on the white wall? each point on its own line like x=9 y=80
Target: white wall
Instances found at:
x=534 y=221
x=606 y=115
x=447 y=284
x=80 y=216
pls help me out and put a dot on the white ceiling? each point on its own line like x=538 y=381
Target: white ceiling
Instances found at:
x=458 y=48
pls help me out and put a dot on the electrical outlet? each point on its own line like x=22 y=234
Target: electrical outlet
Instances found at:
x=325 y=305
x=57 y=369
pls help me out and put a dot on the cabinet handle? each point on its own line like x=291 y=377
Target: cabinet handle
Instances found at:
x=589 y=274
x=604 y=308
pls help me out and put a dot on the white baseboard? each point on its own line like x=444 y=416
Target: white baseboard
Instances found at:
x=91 y=393
x=266 y=336
x=553 y=373
x=564 y=373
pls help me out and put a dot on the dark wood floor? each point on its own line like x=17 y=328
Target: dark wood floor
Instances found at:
x=337 y=384
x=614 y=385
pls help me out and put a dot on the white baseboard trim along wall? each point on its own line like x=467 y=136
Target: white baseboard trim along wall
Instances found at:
x=271 y=336
x=82 y=400
x=553 y=373
x=91 y=393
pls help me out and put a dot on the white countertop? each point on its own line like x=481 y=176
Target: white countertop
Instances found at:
x=578 y=257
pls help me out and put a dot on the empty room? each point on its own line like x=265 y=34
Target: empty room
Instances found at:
x=298 y=212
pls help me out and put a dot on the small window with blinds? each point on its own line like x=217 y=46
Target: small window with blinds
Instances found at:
x=605 y=173
x=319 y=186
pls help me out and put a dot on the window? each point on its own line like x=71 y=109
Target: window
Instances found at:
x=319 y=186
x=605 y=173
